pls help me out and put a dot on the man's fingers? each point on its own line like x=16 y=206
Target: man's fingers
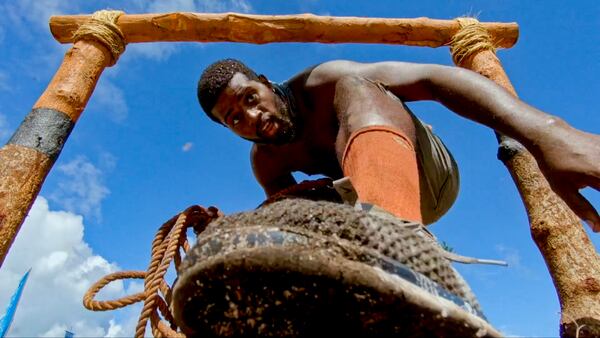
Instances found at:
x=583 y=208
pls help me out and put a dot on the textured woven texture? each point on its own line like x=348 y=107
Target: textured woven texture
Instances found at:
x=346 y=227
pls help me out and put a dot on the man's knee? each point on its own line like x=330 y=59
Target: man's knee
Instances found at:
x=355 y=90
x=351 y=82
x=360 y=102
x=355 y=85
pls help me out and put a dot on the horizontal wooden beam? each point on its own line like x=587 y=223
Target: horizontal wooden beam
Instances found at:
x=261 y=29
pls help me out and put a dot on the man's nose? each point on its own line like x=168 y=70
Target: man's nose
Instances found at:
x=253 y=115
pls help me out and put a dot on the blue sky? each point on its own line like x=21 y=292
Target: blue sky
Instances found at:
x=143 y=150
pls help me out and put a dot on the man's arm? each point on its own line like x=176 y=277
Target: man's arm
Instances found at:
x=270 y=170
x=569 y=158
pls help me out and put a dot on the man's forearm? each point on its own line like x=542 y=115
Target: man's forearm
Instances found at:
x=479 y=99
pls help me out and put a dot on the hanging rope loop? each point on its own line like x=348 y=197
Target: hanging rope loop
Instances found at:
x=157 y=294
x=94 y=305
x=102 y=27
x=472 y=38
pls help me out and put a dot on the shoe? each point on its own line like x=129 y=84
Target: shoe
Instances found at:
x=301 y=268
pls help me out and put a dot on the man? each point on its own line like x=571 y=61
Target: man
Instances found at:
x=305 y=268
x=343 y=118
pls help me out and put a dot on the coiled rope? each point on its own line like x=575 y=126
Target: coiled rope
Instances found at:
x=102 y=27
x=170 y=238
x=470 y=39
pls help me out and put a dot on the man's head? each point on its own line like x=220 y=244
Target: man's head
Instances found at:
x=232 y=94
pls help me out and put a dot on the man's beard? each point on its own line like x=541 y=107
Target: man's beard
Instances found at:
x=287 y=126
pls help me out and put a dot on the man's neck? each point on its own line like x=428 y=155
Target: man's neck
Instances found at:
x=284 y=92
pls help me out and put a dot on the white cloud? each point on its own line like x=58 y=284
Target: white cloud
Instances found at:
x=507 y=332
x=109 y=98
x=161 y=6
x=38 y=11
x=187 y=147
x=27 y=21
x=82 y=188
x=510 y=255
x=107 y=161
x=63 y=267
x=156 y=51
x=114 y=330
x=513 y=258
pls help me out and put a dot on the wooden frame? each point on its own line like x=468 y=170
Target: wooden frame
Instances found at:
x=29 y=155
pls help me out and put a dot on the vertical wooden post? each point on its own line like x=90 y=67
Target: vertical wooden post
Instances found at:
x=29 y=155
x=570 y=256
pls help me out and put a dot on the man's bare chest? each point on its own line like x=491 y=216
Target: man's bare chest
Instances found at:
x=316 y=156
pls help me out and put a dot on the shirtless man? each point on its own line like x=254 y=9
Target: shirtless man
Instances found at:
x=344 y=118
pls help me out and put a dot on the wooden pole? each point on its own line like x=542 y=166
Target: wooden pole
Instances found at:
x=262 y=29
x=569 y=255
x=29 y=155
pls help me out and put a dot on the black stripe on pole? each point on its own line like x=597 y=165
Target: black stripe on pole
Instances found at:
x=44 y=130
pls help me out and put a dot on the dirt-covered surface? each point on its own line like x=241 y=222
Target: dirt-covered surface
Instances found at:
x=340 y=222
x=581 y=328
x=323 y=271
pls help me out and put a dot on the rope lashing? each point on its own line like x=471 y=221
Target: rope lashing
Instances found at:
x=102 y=27
x=170 y=238
x=470 y=39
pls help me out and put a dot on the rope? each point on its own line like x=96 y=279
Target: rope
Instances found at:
x=102 y=27
x=161 y=259
x=471 y=38
x=90 y=303
x=170 y=238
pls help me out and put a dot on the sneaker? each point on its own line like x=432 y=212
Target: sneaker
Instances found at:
x=306 y=268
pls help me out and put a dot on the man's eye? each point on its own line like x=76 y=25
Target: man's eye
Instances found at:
x=235 y=121
x=252 y=98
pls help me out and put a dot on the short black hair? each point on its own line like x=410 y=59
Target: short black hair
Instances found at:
x=215 y=78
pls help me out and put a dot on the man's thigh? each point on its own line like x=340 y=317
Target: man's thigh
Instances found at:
x=360 y=103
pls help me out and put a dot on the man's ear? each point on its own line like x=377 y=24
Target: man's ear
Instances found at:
x=264 y=80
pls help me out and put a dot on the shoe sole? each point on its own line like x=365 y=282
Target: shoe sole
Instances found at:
x=273 y=282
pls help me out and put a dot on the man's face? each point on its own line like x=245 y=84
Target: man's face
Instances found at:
x=253 y=111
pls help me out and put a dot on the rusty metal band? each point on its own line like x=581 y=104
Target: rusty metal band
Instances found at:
x=44 y=130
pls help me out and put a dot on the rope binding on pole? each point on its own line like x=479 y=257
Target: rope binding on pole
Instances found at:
x=103 y=28
x=472 y=38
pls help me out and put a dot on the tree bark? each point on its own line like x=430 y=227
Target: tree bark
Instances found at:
x=260 y=29
x=29 y=155
x=569 y=254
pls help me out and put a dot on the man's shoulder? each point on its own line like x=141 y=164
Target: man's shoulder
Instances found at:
x=330 y=72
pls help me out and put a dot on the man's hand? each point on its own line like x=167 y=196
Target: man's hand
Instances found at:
x=570 y=160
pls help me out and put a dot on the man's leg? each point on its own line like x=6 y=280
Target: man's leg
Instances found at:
x=376 y=147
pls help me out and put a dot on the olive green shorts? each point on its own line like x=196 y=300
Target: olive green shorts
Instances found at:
x=438 y=173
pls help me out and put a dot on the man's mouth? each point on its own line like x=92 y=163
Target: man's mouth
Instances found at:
x=268 y=128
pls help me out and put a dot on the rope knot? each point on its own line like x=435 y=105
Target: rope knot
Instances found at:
x=102 y=27
x=471 y=38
